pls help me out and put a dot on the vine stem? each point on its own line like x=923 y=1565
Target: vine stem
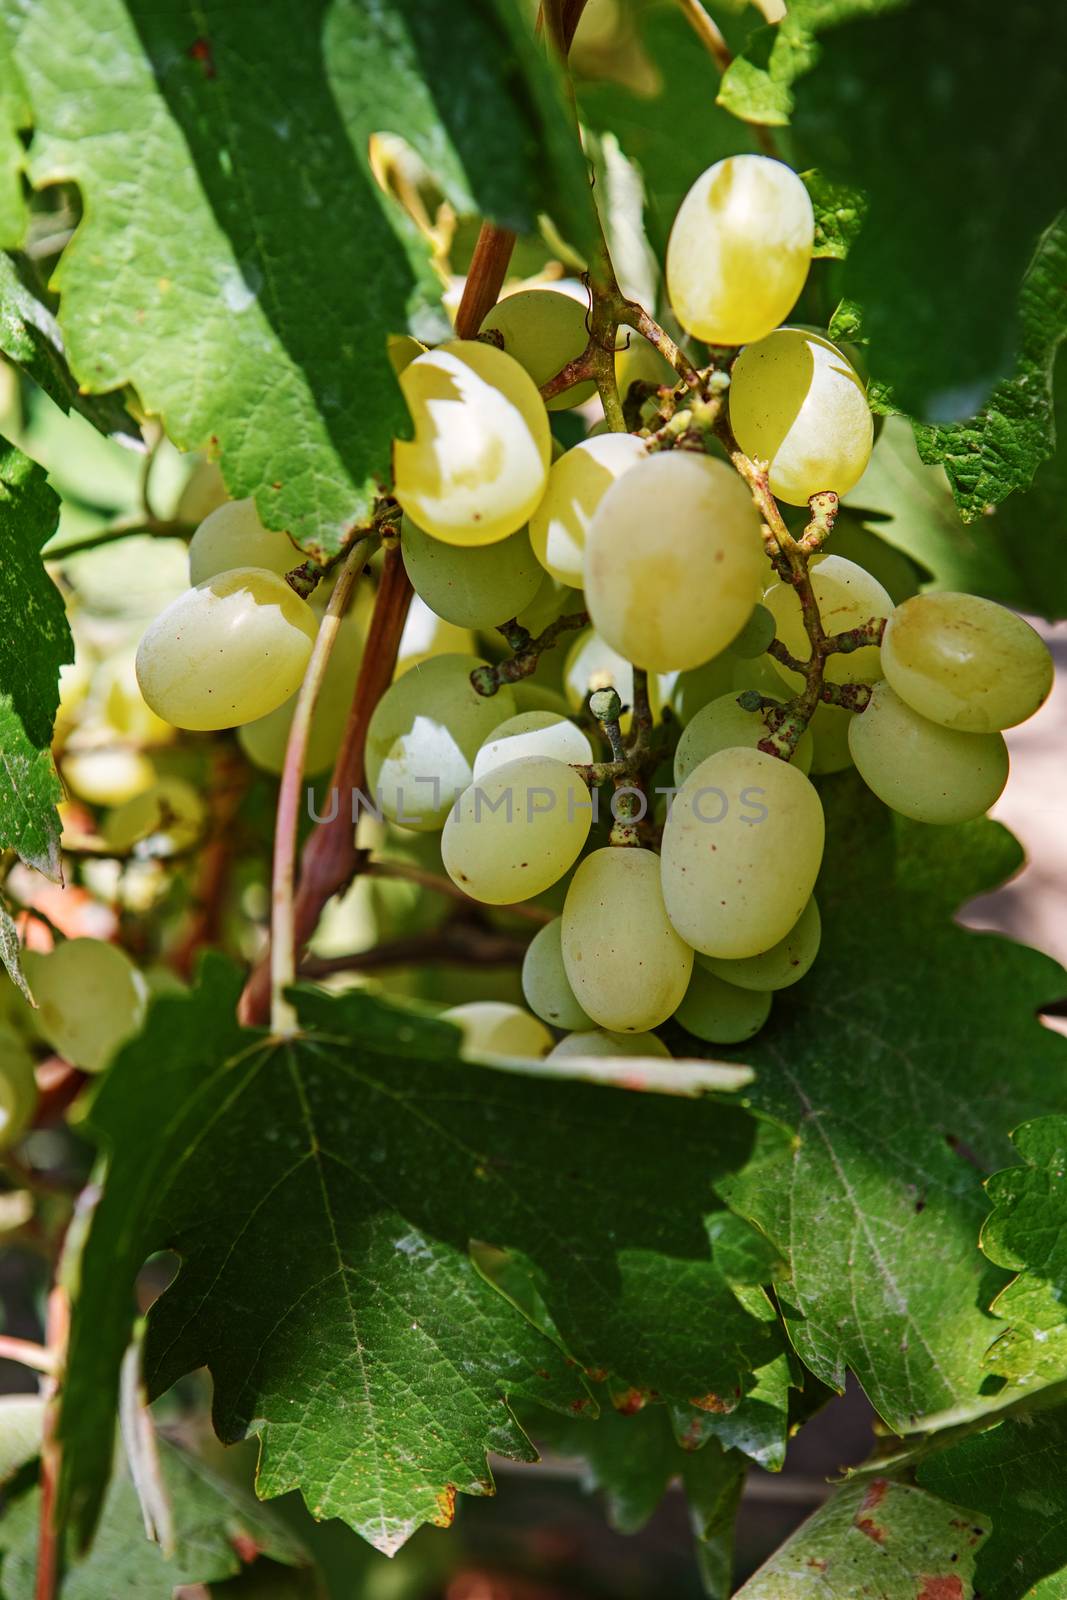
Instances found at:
x=710 y=35
x=27 y=1354
x=48 y=1547
x=283 y=1018
x=458 y=944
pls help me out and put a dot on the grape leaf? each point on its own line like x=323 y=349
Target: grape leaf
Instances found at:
x=14 y=114
x=884 y=1072
x=257 y=328
x=882 y=1540
x=30 y=337
x=35 y=641
x=218 y=1529
x=938 y=264
x=1012 y=1474
x=323 y=1195
x=839 y=213
x=999 y=450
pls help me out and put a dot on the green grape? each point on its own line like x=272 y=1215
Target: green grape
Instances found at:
x=577 y=483
x=226 y=652
x=495 y=1028
x=265 y=741
x=233 y=536
x=18 y=1087
x=592 y=664
x=741 y=851
x=170 y=815
x=533 y=696
x=761 y=674
x=544 y=330
x=544 y=981
x=638 y=361
x=108 y=776
x=598 y=1042
x=896 y=574
x=719 y=1012
x=966 y=663
x=426 y=635
x=692 y=690
x=478 y=463
x=533 y=733
x=829 y=732
x=512 y=834
x=922 y=770
x=424 y=735
x=724 y=725
x=474 y=586
x=796 y=403
x=848 y=597
x=624 y=961
x=673 y=561
x=755 y=636
x=785 y=963
x=552 y=600
x=739 y=250
x=90 y=999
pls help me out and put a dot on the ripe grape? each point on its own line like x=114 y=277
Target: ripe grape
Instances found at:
x=108 y=776
x=624 y=961
x=170 y=814
x=724 y=725
x=796 y=403
x=204 y=491
x=424 y=735
x=495 y=1028
x=673 y=561
x=264 y=741
x=514 y=833
x=739 y=250
x=18 y=1087
x=829 y=732
x=226 y=652
x=476 y=586
x=426 y=635
x=90 y=998
x=592 y=664
x=922 y=770
x=544 y=330
x=233 y=536
x=533 y=733
x=599 y=1042
x=847 y=597
x=741 y=851
x=785 y=963
x=551 y=601
x=544 y=981
x=755 y=636
x=477 y=465
x=719 y=1012
x=577 y=483
x=638 y=361
x=966 y=663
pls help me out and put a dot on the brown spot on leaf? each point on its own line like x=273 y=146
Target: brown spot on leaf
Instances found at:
x=633 y=1400
x=245 y=1547
x=872 y=1529
x=949 y=1588
x=200 y=50
x=446 y=1507
x=875 y=1494
x=710 y=1402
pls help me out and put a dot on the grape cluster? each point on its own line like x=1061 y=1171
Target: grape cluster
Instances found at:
x=653 y=782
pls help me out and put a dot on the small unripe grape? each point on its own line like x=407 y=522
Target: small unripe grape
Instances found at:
x=624 y=961
x=495 y=1028
x=124 y=706
x=544 y=331
x=739 y=250
x=545 y=987
x=226 y=652
x=107 y=776
x=796 y=403
x=533 y=733
x=829 y=733
x=577 y=483
x=755 y=636
x=784 y=964
x=474 y=586
x=233 y=536
x=965 y=662
x=514 y=833
x=91 y=999
x=673 y=561
x=171 y=814
x=719 y=1012
x=847 y=597
x=478 y=463
x=724 y=725
x=922 y=770
x=599 y=1042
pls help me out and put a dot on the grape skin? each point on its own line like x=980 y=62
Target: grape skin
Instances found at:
x=735 y=886
x=797 y=403
x=739 y=250
x=599 y=1042
x=544 y=983
x=533 y=733
x=577 y=483
x=233 y=536
x=719 y=1012
x=495 y=1028
x=723 y=725
x=966 y=663
x=784 y=964
x=924 y=771
x=478 y=463
x=473 y=586
x=90 y=998
x=544 y=330
x=226 y=652
x=673 y=561
x=624 y=961
x=500 y=856
x=847 y=597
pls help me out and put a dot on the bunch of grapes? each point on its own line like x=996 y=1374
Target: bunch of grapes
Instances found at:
x=653 y=782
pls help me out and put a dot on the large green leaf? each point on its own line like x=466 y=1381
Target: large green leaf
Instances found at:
x=237 y=261
x=881 y=1540
x=894 y=1074
x=35 y=642
x=322 y=1195
x=14 y=115
x=217 y=1529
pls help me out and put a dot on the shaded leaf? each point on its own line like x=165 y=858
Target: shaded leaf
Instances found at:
x=11 y=952
x=14 y=115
